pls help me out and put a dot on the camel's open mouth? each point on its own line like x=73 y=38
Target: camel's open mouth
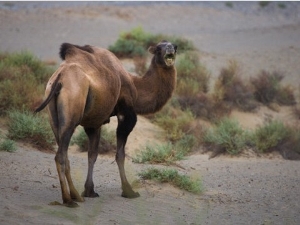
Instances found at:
x=170 y=59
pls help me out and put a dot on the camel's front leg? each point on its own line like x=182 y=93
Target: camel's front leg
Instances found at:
x=126 y=122
x=94 y=138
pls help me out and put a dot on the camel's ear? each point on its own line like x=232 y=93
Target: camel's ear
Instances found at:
x=152 y=49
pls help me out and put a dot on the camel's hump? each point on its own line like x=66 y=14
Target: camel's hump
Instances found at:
x=66 y=48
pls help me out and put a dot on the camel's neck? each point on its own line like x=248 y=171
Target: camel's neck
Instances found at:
x=154 y=89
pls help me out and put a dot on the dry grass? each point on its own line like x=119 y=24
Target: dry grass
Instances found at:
x=268 y=89
x=231 y=89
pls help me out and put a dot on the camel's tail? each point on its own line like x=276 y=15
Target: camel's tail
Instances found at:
x=56 y=86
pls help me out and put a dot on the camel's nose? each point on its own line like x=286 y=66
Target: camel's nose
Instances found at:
x=170 y=48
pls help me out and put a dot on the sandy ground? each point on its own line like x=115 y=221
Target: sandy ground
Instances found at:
x=239 y=190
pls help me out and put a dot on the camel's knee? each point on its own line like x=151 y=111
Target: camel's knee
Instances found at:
x=126 y=124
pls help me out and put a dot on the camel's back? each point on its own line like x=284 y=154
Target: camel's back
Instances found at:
x=98 y=63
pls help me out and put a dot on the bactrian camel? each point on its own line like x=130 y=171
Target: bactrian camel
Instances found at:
x=88 y=88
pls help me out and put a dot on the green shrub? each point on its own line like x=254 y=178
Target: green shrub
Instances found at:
x=136 y=42
x=174 y=121
x=270 y=136
x=8 y=145
x=166 y=153
x=30 y=128
x=22 y=81
x=226 y=136
x=173 y=177
x=192 y=77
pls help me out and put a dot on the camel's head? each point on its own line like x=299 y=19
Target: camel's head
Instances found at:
x=165 y=53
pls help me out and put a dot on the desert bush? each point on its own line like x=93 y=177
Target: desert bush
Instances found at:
x=290 y=148
x=226 y=136
x=107 y=140
x=205 y=106
x=269 y=136
x=231 y=89
x=22 y=81
x=268 y=89
x=30 y=128
x=166 y=153
x=174 y=121
x=173 y=177
x=136 y=42
x=8 y=145
x=192 y=77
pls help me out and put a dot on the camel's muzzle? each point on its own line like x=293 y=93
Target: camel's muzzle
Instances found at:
x=170 y=57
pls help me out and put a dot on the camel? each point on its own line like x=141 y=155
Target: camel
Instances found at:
x=88 y=88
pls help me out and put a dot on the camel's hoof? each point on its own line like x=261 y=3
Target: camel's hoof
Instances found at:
x=78 y=199
x=90 y=194
x=71 y=204
x=132 y=194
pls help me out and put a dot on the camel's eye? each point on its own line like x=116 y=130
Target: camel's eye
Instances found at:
x=175 y=47
x=158 y=49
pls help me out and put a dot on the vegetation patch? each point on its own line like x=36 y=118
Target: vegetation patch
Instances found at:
x=231 y=89
x=173 y=177
x=226 y=136
x=8 y=145
x=268 y=89
x=166 y=153
x=22 y=81
x=192 y=76
x=135 y=43
x=30 y=128
x=270 y=136
x=175 y=121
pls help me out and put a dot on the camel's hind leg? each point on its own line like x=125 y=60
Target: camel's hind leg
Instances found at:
x=94 y=138
x=126 y=122
x=64 y=172
x=73 y=192
x=63 y=127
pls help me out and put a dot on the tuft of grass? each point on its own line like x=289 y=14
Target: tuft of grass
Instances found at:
x=227 y=136
x=270 y=136
x=22 y=81
x=166 y=153
x=268 y=89
x=173 y=177
x=107 y=140
x=30 y=128
x=8 y=145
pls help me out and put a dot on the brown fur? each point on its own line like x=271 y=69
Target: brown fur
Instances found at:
x=88 y=88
